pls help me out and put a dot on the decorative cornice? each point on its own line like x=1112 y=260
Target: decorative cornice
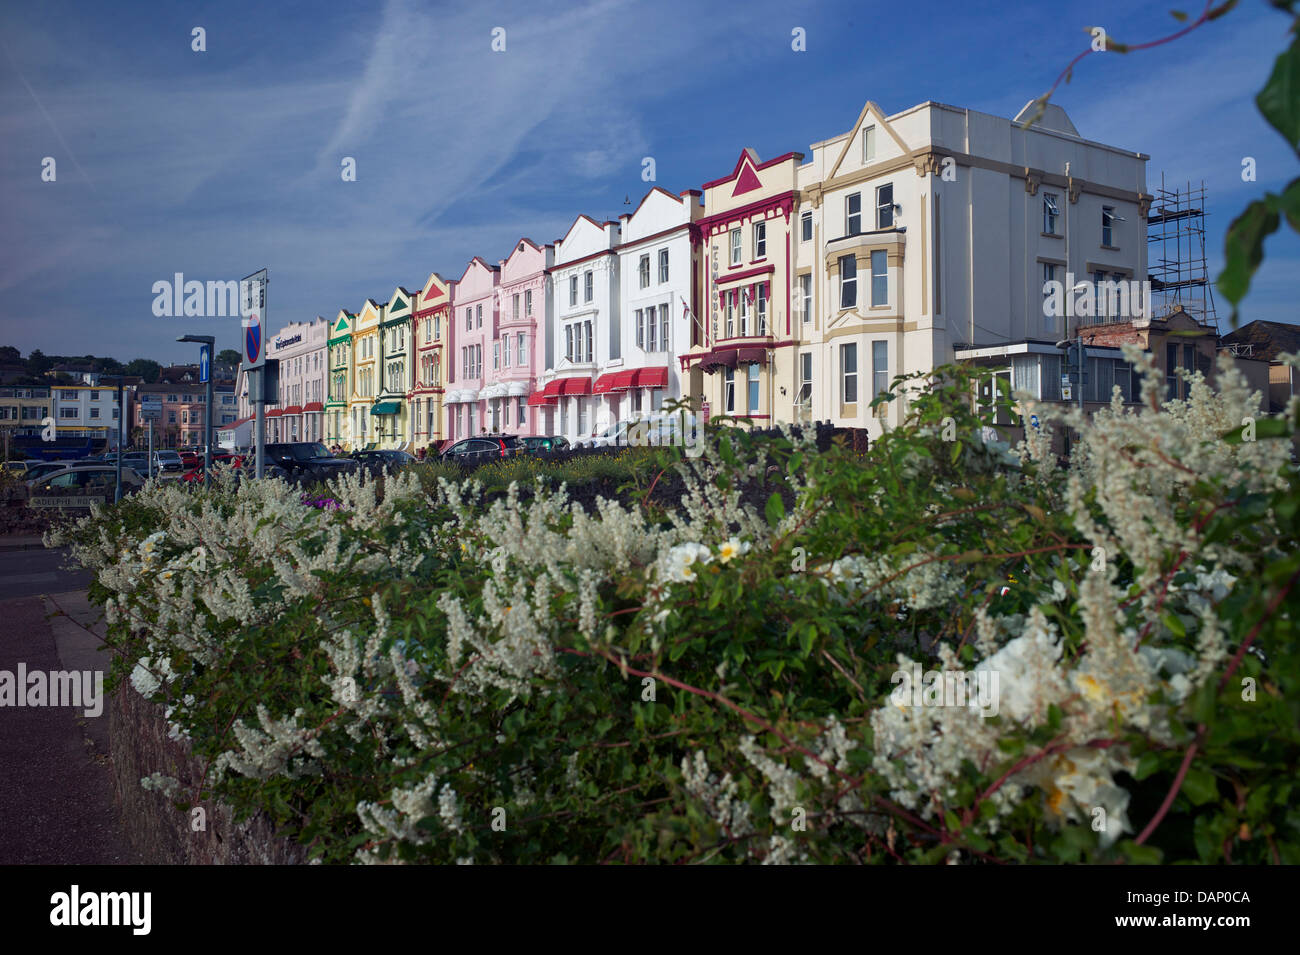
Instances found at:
x=927 y=163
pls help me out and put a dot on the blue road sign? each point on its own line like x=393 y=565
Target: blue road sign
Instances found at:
x=205 y=362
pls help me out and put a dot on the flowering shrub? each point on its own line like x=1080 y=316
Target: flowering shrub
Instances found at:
x=439 y=677
x=320 y=501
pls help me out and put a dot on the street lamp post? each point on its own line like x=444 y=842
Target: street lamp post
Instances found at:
x=210 y=341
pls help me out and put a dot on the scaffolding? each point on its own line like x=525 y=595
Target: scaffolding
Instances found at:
x=1176 y=263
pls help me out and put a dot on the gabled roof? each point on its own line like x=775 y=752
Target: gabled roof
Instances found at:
x=875 y=113
x=435 y=289
x=1269 y=339
x=483 y=263
x=749 y=162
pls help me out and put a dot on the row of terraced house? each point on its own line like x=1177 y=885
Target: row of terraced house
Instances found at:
x=790 y=289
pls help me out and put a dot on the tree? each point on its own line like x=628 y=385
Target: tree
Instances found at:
x=38 y=363
x=9 y=353
x=228 y=356
x=146 y=368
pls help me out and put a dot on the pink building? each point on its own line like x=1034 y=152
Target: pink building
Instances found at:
x=474 y=320
x=518 y=350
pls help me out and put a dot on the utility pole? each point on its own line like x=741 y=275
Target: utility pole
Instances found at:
x=207 y=343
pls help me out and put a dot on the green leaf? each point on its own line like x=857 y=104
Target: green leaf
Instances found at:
x=1244 y=247
x=1279 y=100
x=1199 y=786
x=775 y=509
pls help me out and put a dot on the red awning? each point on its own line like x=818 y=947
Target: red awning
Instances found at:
x=570 y=386
x=650 y=378
x=541 y=398
x=719 y=358
x=613 y=381
x=293 y=409
x=313 y=406
x=751 y=356
x=274 y=412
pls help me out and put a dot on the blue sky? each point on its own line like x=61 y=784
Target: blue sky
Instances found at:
x=215 y=164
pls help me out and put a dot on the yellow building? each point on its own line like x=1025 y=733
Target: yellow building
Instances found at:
x=365 y=375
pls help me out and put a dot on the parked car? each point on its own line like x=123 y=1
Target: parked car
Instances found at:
x=308 y=461
x=86 y=477
x=189 y=460
x=485 y=447
x=196 y=473
x=534 y=444
x=38 y=469
x=383 y=461
x=167 y=463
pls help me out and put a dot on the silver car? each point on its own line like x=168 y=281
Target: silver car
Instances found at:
x=103 y=476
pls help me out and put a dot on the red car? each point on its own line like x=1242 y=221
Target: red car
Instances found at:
x=195 y=473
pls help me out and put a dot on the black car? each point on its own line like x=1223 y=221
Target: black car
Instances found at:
x=535 y=443
x=308 y=461
x=382 y=462
x=485 y=447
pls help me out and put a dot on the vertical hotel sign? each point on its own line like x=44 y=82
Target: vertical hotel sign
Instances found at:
x=252 y=312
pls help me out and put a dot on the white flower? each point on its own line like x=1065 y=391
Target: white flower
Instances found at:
x=732 y=548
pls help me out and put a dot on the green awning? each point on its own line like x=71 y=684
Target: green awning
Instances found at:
x=386 y=407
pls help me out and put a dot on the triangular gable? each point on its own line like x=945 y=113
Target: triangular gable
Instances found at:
x=478 y=261
x=873 y=111
x=519 y=247
x=747 y=181
x=435 y=289
x=400 y=301
x=372 y=309
x=342 y=324
x=579 y=221
x=646 y=197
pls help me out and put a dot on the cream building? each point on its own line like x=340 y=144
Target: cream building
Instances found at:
x=927 y=236
x=740 y=357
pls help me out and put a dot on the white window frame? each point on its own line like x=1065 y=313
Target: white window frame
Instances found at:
x=848 y=285
x=885 y=206
x=1051 y=212
x=737 y=253
x=879 y=280
x=848 y=376
x=663 y=266
x=868 y=143
x=760 y=240
x=852 y=218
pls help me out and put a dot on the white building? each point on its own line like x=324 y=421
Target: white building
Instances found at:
x=84 y=412
x=585 y=338
x=299 y=415
x=927 y=236
x=656 y=271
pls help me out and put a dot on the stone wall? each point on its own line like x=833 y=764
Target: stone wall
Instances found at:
x=161 y=833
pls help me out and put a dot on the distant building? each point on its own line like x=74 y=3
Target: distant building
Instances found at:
x=1267 y=342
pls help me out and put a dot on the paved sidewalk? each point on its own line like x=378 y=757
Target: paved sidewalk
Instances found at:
x=56 y=797
x=21 y=542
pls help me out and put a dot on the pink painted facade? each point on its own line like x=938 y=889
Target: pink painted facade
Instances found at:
x=474 y=328
x=518 y=353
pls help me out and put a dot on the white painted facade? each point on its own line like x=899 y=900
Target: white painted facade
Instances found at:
x=657 y=273
x=951 y=237
x=585 y=338
x=83 y=411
